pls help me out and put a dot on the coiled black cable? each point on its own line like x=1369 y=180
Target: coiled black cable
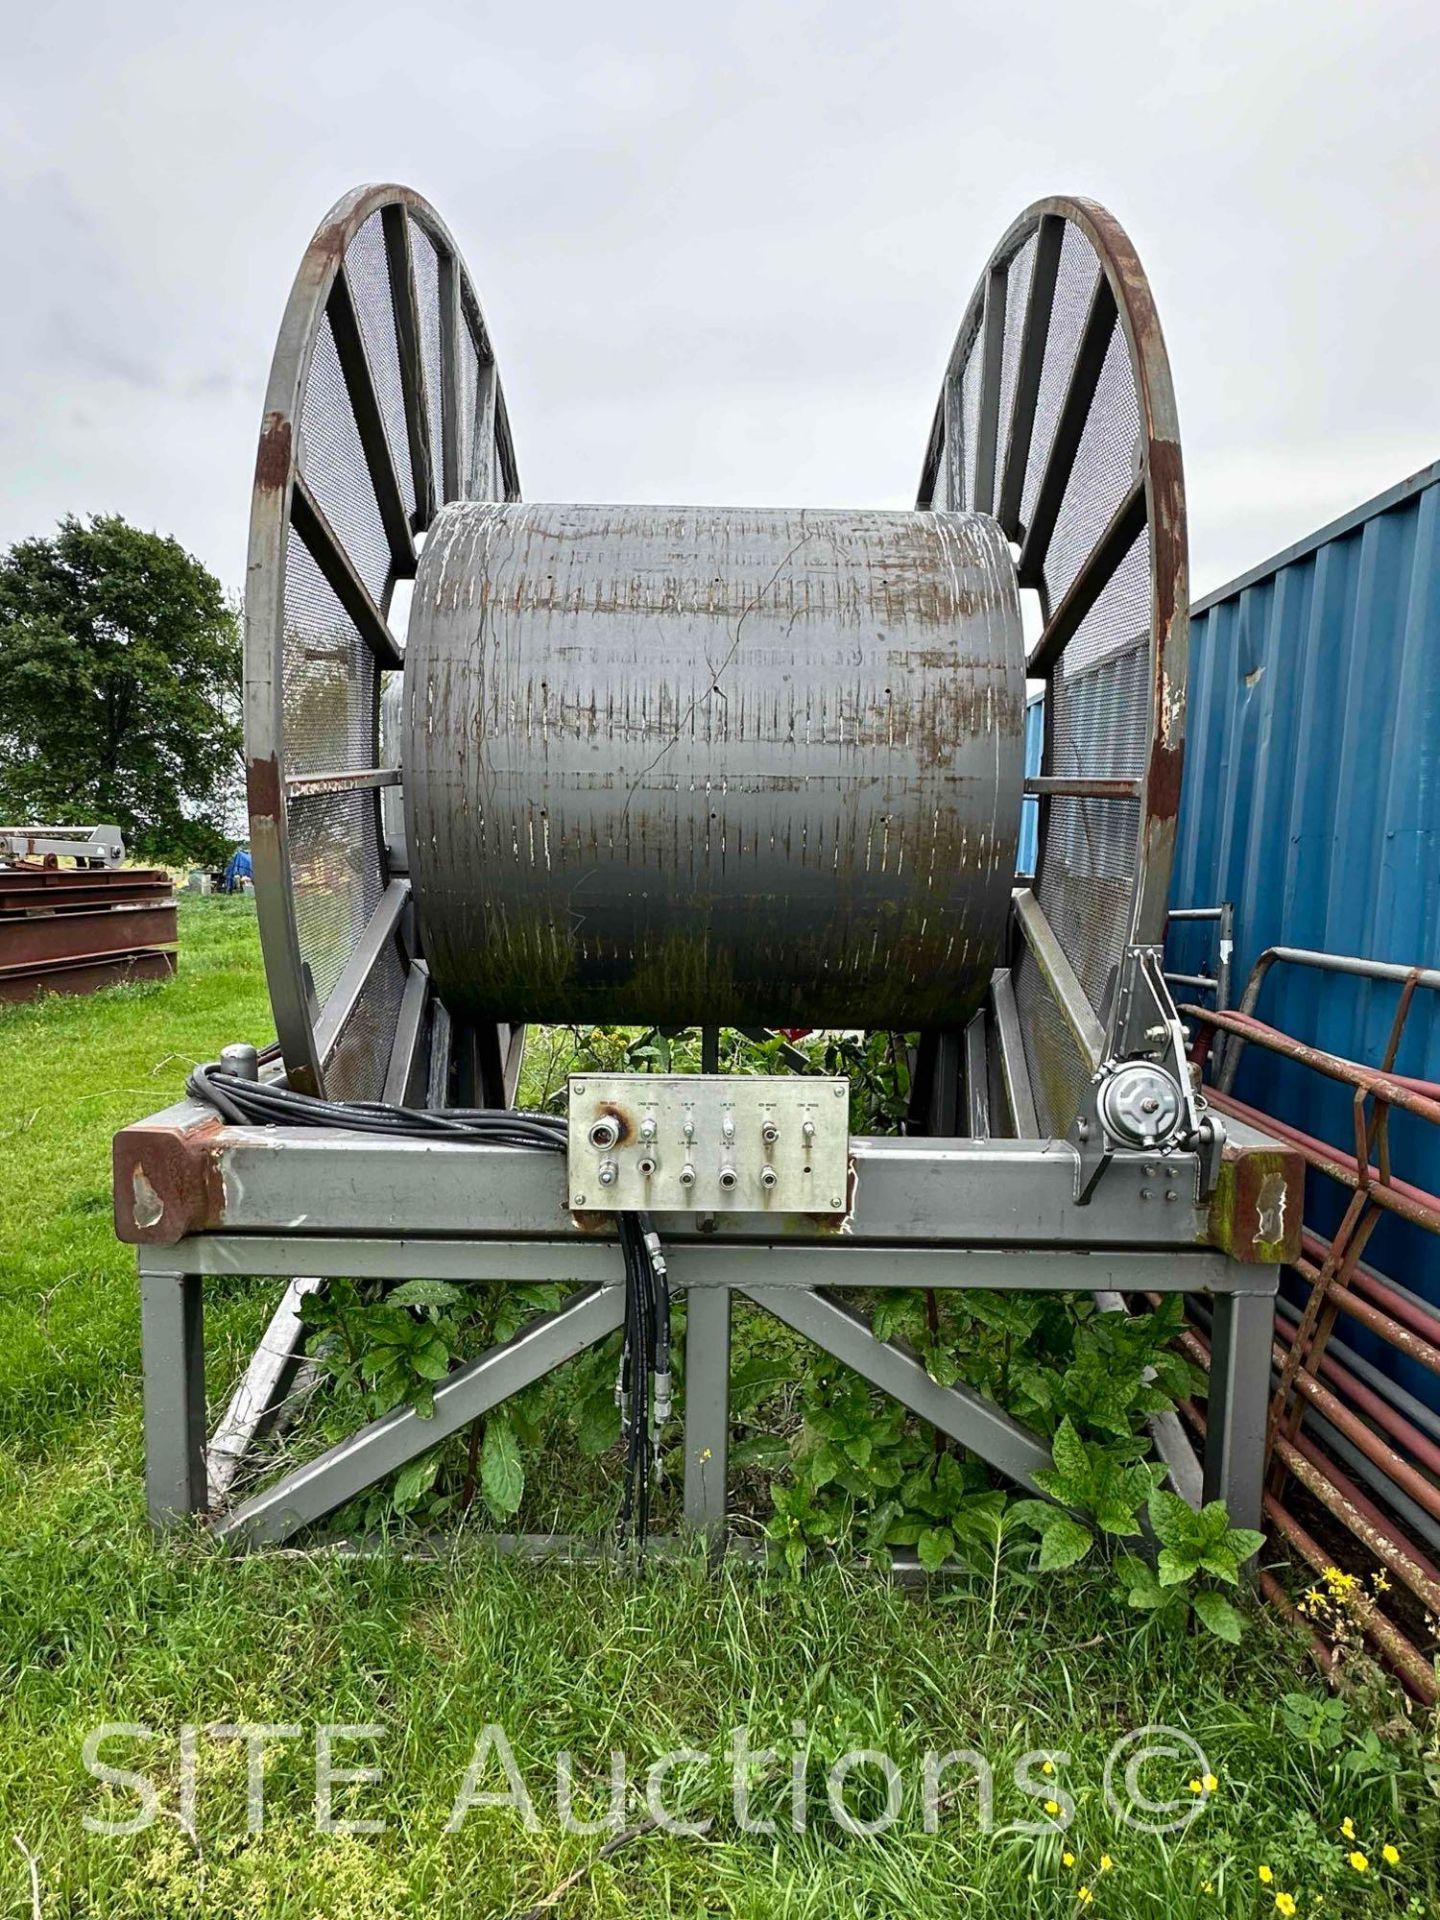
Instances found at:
x=643 y=1382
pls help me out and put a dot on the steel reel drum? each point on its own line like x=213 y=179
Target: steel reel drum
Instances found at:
x=384 y=415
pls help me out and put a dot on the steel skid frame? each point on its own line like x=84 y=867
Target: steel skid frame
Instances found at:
x=200 y=1198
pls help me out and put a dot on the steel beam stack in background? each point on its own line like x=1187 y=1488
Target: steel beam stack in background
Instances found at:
x=75 y=929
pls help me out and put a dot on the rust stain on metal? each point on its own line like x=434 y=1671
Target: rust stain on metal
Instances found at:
x=611 y=1110
x=587 y=1221
x=264 y=787
x=1254 y=1213
x=167 y=1182
x=273 y=459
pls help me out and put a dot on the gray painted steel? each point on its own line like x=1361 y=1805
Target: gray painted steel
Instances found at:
x=687 y=765
x=702 y=1264
x=1239 y=1402
x=172 y=1344
x=964 y=1415
x=707 y=1411
x=1013 y=1193
x=341 y=1472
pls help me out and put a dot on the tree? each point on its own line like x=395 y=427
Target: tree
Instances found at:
x=120 y=675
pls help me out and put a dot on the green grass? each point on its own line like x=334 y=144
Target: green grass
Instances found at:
x=99 y=1623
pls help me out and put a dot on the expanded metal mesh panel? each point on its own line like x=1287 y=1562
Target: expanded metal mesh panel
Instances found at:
x=970 y=419
x=1101 y=718
x=329 y=675
x=1107 y=461
x=369 y=275
x=1074 y=287
x=1087 y=887
x=1017 y=296
x=427 y=294
x=484 y=479
x=1118 y=622
x=1058 y=1076
x=356 y=1070
x=335 y=870
x=1100 y=728
x=332 y=460
x=469 y=370
x=331 y=719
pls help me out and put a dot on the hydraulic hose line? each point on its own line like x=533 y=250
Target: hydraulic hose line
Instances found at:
x=643 y=1384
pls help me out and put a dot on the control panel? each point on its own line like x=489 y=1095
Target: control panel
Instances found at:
x=708 y=1143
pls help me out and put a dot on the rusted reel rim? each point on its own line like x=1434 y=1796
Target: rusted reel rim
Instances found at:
x=1156 y=499
x=286 y=497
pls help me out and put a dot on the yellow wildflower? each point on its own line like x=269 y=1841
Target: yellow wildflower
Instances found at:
x=1390 y=1854
x=1052 y=1806
x=1380 y=1583
x=1347 y=1827
x=1197 y=1786
x=1285 y=1903
x=1266 y=1876
x=1210 y=1783
x=1209 y=1887
x=1067 y=1859
x=1106 y=1863
x=1084 y=1896
x=1047 y=1766
x=1359 y=1862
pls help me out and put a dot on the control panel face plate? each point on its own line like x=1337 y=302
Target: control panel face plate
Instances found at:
x=708 y=1143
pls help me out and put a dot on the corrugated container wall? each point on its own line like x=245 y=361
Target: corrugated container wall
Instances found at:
x=1312 y=801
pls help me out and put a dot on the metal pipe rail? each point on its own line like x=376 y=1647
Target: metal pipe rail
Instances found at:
x=1341 y=963
x=1324 y=1392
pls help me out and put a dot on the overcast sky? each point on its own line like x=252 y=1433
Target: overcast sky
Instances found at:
x=723 y=249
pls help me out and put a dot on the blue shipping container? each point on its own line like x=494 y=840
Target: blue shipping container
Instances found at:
x=1312 y=801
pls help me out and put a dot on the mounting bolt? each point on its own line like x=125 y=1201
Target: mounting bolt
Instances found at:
x=836 y=1201
x=839 y=1093
x=1171 y=1194
x=578 y=1201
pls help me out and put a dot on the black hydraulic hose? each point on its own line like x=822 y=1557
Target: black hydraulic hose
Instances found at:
x=645 y=1355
